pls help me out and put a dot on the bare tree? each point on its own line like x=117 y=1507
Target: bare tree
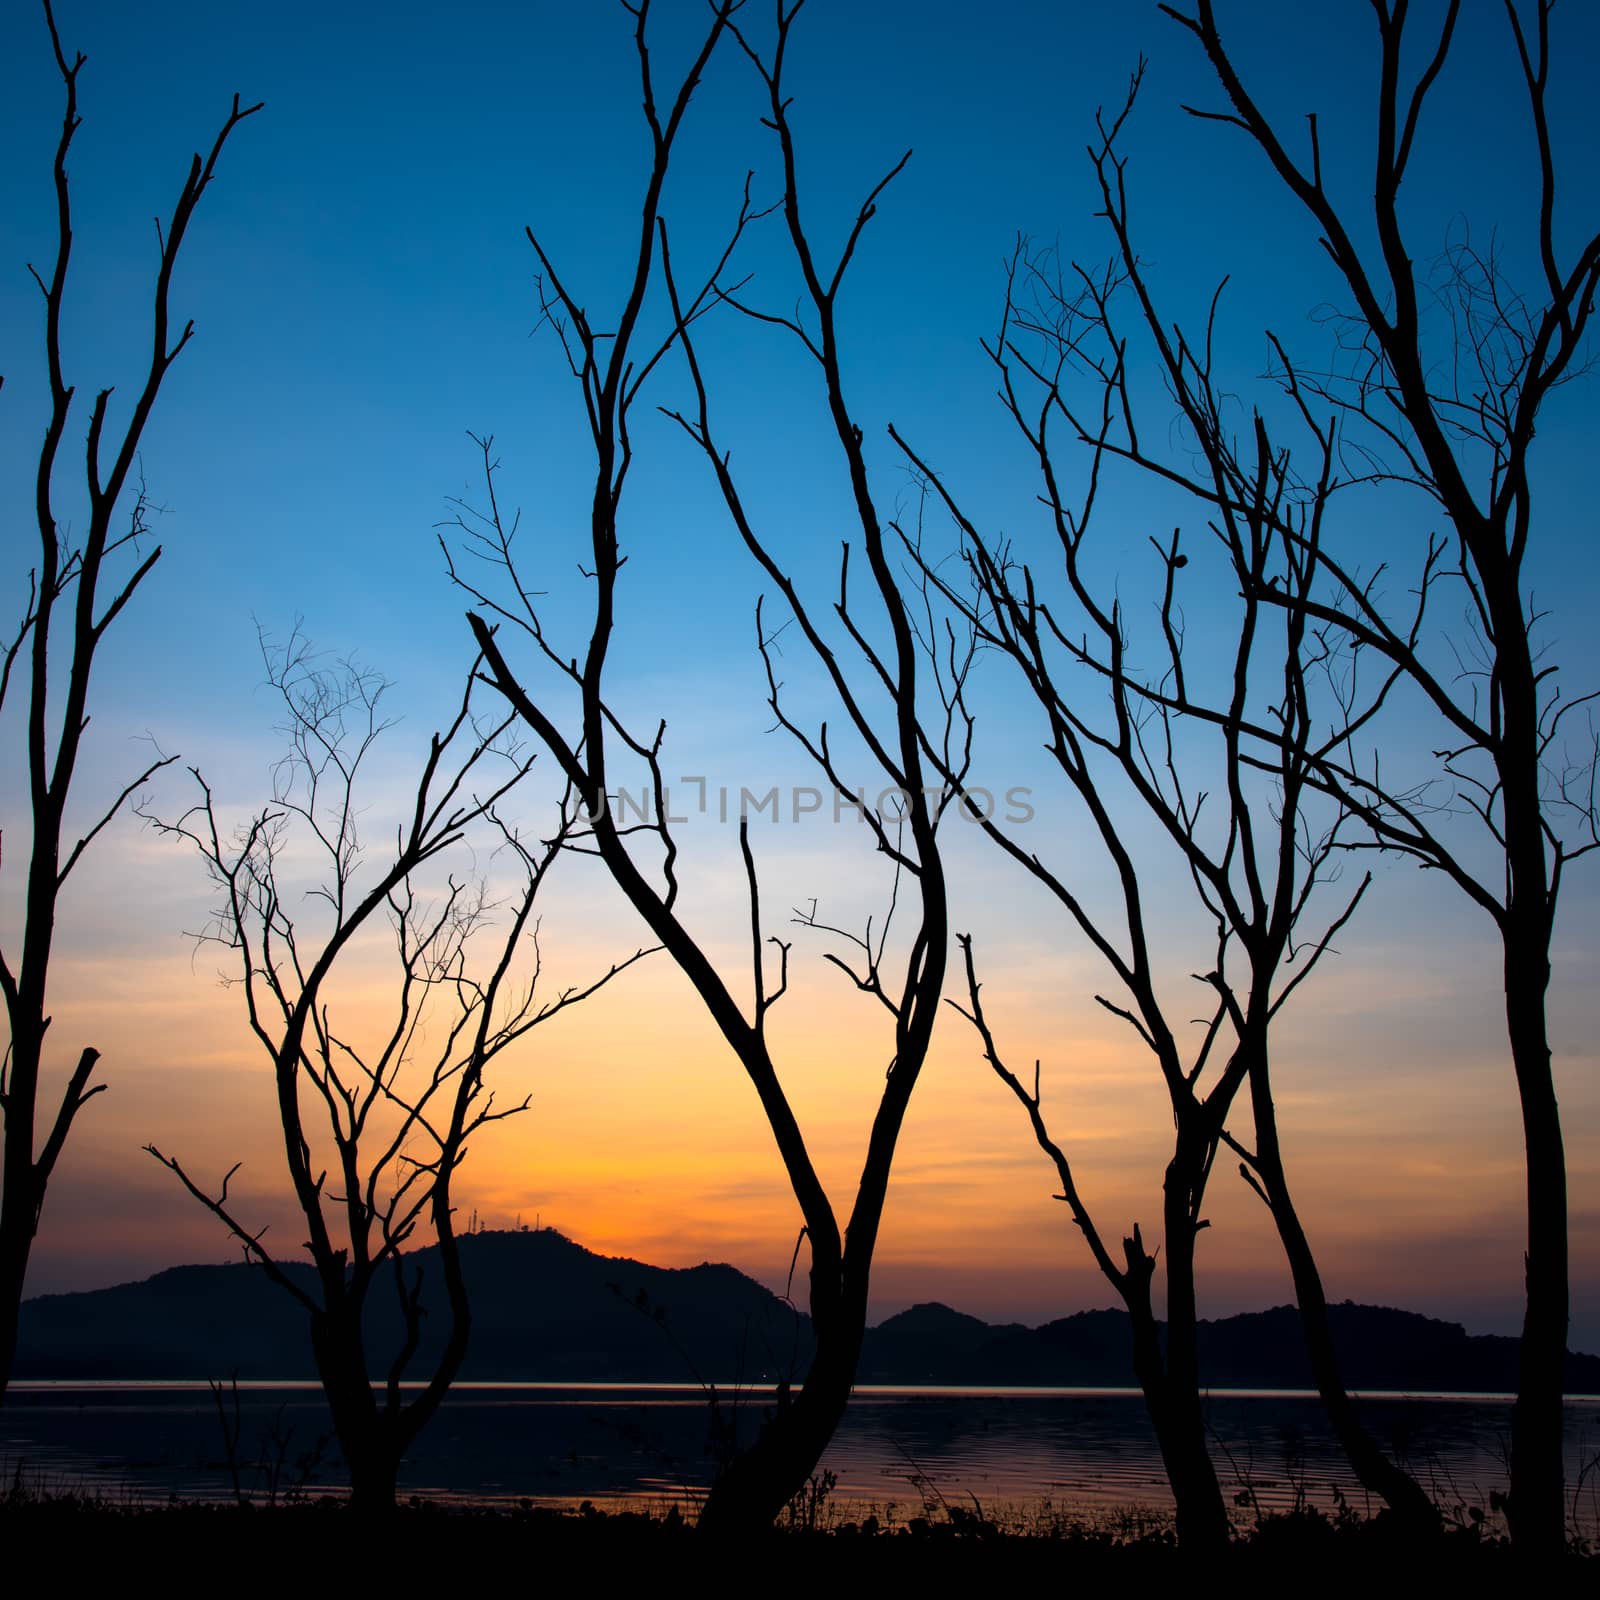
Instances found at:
x=880 y=705
x=74 y=595
x=1253 y=877
x=1440 y=386
x=398 y=1100
x=1252 y=829
x=1292 y=692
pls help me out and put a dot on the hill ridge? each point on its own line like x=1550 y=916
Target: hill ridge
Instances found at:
x=546 y=1308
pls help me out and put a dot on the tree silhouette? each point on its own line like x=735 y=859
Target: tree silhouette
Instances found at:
x=1251 y=830
x=400 y=1097
x=76 y=592
x=1436 y=391
x=879 y=697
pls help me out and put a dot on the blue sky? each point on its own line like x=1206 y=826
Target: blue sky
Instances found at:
x=363 y=296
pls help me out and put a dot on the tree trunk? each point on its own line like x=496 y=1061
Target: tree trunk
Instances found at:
x=1202 y=1515
x=1536 y=1506
x=371 y=1456
x=374 y=1469
x=1376 y=1473
x=15 y=1240
x=752 y=1490
x=1373 y=1469
x=1180 y=1434
x=20 y=1196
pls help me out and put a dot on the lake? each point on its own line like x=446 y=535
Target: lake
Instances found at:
x=900 y=1452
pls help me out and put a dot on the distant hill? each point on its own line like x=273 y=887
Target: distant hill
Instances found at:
x=543 y=1309
x=546 y=1309
x=933 y=1344
x=1379 y=1348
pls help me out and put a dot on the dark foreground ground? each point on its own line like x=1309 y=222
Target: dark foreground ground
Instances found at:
x=317 y=1542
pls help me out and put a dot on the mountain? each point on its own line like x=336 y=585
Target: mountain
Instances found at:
x=546 y=1309
x=1379 y=1348
x=1091 y=1350
x=543 y=1308
x=926 y=1342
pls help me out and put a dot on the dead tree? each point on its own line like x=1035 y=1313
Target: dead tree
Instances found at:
x=1253 y=872
x=879 y=699
x=1252 y=828
x=1437 y=391
x=387 y=1108
x=75 y=593
x=1071 y=380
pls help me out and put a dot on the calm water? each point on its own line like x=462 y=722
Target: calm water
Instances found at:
x=1079 y=1450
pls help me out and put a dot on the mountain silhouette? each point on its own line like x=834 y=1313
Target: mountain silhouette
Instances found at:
x=543 y=1309
x=1379 y=1348
x=546 y=1309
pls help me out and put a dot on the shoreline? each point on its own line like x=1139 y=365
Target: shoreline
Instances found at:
x=733 y=1388
x=97 y=1534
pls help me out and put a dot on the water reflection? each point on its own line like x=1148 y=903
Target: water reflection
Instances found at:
x=1082 y=1451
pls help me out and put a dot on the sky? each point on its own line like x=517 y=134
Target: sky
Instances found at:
x=364 y=298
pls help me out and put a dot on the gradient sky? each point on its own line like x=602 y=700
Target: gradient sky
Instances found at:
x=363 y=296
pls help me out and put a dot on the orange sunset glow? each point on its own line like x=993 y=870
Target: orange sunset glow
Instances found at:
x=937 y=658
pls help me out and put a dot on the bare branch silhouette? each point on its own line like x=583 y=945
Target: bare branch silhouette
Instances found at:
x=398 y=1111
x=904 y=978
x=75 y=593
x=1440 y=375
